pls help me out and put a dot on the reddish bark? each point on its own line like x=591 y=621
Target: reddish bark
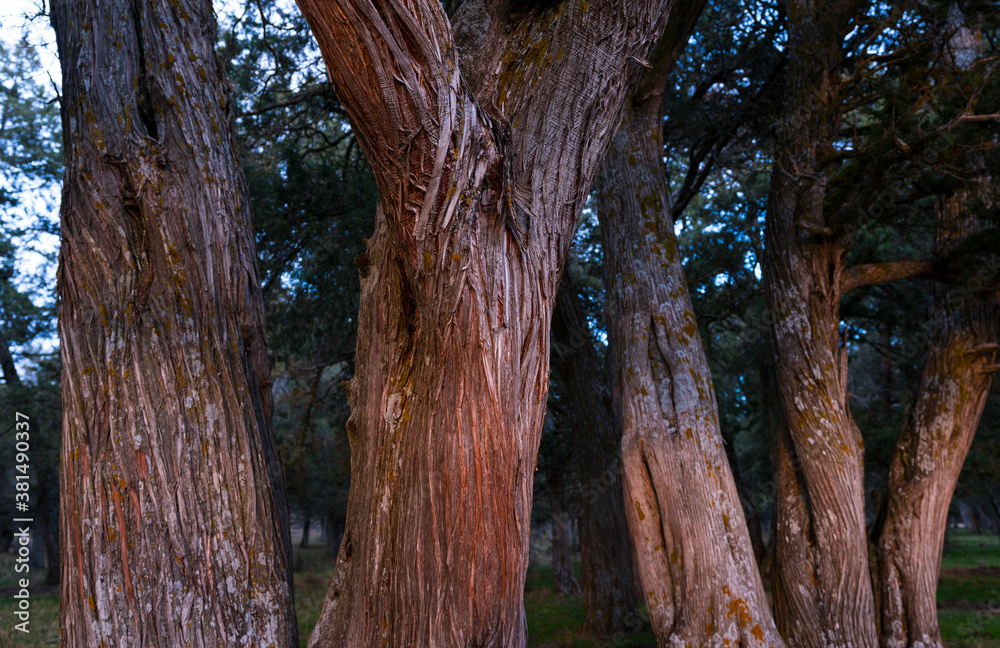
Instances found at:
x=936 y=434
x=173 y=520
x=485 y=135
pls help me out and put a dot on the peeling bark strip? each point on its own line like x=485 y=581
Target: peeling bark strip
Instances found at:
x=936 y=435
x=173 y=523
x=484 y=137
x=822 y=586
x=609 y=600
x=686 y=522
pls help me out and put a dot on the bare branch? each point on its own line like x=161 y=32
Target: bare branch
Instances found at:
x=870 y=274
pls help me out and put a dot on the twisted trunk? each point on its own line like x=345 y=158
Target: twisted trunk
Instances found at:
x=686 y=522
x=822 y=586
x=608 y=592
x=484 y=138
x=936 y=434
x=173 y=521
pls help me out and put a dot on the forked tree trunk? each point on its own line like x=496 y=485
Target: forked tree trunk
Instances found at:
x=822 y=586
x=484 y=145
x=686 y=522
x=609 y=602
x=937 y=433
x=173 y=521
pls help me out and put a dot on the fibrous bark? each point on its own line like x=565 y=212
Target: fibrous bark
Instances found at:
x=937 y=432
x=608 y=592
x=686 y=522
x=173 y=521
x=484 y=143
x=822 y=586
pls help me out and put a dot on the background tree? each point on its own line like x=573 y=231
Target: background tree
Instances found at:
x=685 y=518
x=30 y=165
x=960 y=361
x=584 y=402
x=313 y=198
x=719 y=104
x=837 y=129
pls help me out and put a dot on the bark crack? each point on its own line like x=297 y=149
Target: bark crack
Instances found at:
x=144 y=96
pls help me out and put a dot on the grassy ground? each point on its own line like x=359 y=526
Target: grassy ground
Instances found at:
x=968 y=602
x=969 y=592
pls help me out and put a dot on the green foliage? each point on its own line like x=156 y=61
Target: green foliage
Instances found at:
x=313 y=198
x=30 y=131
x=30 y=164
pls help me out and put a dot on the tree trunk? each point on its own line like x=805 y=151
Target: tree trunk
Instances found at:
x=563 y=573
x=484 y=144
x=333 y=534
x=996 y=513
x=7 y=365
x=608 y=594
x=686 y=522
x=173 y=520
x=822 y=586
x=51 y=540
x=936 y=434
x=47 y=518
x=305 y=534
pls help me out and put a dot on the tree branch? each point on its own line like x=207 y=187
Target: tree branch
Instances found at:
x=393 y=66
x=870 y=274
x=297 y=98
x=683 y=17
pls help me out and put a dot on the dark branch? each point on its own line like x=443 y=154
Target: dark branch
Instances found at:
x=870 y=274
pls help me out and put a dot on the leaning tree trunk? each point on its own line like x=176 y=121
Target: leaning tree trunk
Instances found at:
x=937 y=432
x=686 y=522
x=608 y=584
x=822 y=586
x=173 y=521
x=484 y=144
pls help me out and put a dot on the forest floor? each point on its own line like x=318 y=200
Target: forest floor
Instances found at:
x=968 y=602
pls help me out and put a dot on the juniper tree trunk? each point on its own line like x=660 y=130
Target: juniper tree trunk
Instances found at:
x=484 y=142
x=608 y=583
x=563 y=574
x=937 y=431
x=822 y=586
x=686 y=522
x=173 y=521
